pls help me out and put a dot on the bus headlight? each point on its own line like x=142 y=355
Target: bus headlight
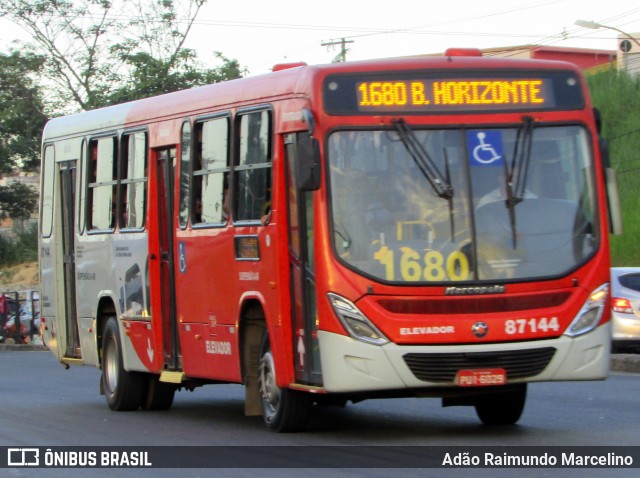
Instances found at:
x=590 y=314
x=354 y=321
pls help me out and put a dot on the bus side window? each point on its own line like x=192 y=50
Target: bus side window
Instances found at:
x=102 y=174
x=185 y=172
x=48 y=173
x=253 y=168
x=210 y=172
x=82 y=203
x=133 y=181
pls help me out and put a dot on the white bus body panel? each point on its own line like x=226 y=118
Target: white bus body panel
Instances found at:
x=112 y=267
x=107 y=265
x=352 y=366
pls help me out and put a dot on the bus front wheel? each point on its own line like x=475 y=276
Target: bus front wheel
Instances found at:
x=123 y=390
x=502 y=408
x=283 y=410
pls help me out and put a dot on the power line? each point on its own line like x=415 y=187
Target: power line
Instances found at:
x=624 y=134
x=420 y=29
x=342 y=56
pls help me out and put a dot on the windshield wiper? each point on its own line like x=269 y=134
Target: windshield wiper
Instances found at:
x=517 y=174
x=427 y=166
x=517 y=177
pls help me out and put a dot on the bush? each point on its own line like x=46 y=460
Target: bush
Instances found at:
x=22 y=248
x=617 y=96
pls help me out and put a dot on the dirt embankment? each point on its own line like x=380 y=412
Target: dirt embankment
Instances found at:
x=20 y=277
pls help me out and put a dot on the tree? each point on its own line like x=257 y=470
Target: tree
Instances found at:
x=22 y=114
x=95 y=49
x=151 y=76
x=17 y=201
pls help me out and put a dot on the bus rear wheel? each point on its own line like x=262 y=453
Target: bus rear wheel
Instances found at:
x=502 y=408
x=283 y=410
x=123 y=390
x=158 y=395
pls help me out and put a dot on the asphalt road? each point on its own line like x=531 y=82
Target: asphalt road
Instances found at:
x=42 y=404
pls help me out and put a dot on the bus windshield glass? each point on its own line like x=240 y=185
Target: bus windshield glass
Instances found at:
x=519 y=202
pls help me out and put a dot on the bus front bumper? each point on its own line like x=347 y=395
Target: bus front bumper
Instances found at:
x=349 y=365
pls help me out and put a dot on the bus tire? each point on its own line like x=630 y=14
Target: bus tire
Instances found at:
x=283 y=409
x=123 y=390
x=502 y=408
x=158 y=395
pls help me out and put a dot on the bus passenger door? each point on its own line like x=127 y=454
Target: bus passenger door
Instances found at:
x=166 y=159
x=67 y=212
x=301 y=267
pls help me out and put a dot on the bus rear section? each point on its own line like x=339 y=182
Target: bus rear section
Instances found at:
x=410 y=227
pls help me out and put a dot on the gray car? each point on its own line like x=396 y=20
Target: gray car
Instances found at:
x=625 y=305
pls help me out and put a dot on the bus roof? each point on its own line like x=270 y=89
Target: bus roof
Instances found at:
x=295 y=81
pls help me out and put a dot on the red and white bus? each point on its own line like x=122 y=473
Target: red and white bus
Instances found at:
x=430 y=226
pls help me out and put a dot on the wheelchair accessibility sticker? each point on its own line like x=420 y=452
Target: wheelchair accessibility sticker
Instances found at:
x=485 y=148
x=182 y=257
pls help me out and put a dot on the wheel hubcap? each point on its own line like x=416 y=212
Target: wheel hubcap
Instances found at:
x=269 y=391
x=111 y=366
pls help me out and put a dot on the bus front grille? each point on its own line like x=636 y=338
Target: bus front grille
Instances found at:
x=443 y=367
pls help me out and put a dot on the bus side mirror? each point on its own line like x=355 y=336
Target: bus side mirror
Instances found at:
x=598 y=119
x=308 y=163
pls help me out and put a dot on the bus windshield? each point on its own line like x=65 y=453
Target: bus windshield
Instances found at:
x=518 y=202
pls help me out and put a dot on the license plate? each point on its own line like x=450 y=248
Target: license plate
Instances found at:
x=481 y=377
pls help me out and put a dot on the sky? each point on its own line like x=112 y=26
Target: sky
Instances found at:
x=261 y=33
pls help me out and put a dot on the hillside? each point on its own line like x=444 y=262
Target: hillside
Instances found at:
x=20 y=277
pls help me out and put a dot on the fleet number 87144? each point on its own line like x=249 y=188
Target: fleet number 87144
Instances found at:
x=531 y=326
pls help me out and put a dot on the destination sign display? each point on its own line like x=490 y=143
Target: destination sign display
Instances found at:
x=373 y=95
x=457 y=92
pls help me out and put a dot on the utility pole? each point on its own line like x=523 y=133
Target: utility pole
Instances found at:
x=342 y=56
